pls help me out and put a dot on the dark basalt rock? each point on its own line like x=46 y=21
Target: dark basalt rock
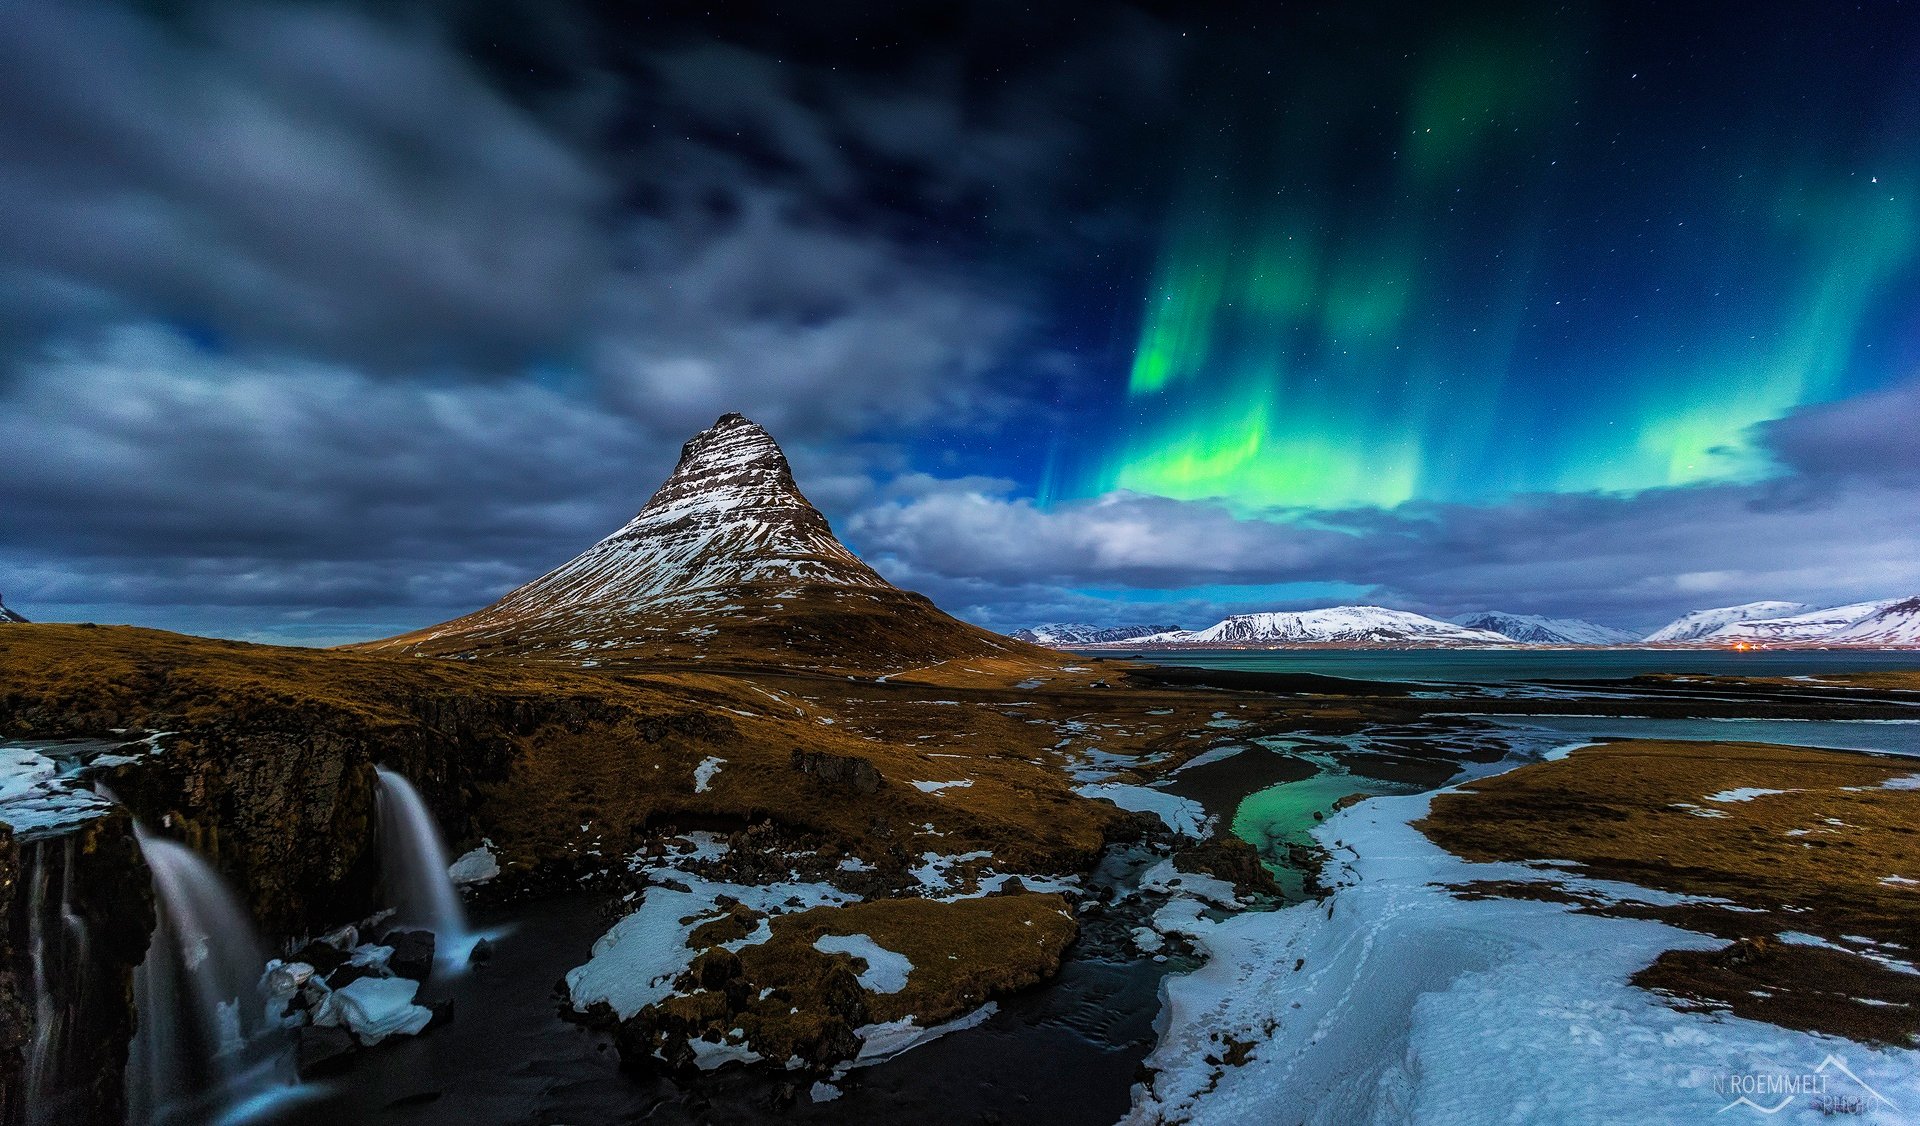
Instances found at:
x=1230 y=859
x=89 y=987
x=324 y=1051
x=13 y=1013
x=848 y=772
x=412 y=953
x=442 y=1014
x=324 y=957
x=347 y=975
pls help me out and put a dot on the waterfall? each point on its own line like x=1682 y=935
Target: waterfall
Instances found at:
x=57 y=957
x=203 y=1042
x=415 y=862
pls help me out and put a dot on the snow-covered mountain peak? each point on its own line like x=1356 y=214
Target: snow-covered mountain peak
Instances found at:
x=1078 y=633
x=727 y=557
x=1536 y=630
x=1335 y=625
x=1894 y=624
x=1702 y=623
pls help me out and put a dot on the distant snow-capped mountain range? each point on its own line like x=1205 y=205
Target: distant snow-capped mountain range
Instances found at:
x=1356 y=626
x=1073 y=633
x=1536 y=630
x=1883 y=623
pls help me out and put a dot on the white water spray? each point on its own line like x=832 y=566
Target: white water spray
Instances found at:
x=415 y=863
x=203 y=1042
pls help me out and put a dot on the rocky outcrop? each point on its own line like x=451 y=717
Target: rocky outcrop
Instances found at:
x=13 y=1014
x=82 y=901
x=845 y=772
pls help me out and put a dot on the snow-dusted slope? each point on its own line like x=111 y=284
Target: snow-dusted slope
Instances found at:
x=1701 y=623
x=7 y=615
x=1897 y=624
x=727 y=559
x=1811 y=625
x=729 y=516
x=1075 y=633
x=1536 y=630
x=1336 y=625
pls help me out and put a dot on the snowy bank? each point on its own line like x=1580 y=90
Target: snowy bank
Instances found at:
x=1395 y=1001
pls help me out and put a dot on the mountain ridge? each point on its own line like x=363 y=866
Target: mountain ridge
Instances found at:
x=726 y=561
x=1534 y=629
x=1333 y=626
x=1079 y=633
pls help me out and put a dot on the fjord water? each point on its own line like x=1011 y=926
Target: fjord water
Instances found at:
x=1495 y=666
x=203 y=1044
x=414 y=864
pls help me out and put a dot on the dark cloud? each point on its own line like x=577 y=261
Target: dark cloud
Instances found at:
x=295 y=176
x=1633 y=560
x=1876 y=434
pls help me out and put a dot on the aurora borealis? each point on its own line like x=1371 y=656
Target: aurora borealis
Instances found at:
x=321 y=320
x=1507 y=261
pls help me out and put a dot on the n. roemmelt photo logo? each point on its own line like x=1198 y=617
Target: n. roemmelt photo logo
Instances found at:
x=1830 y=1088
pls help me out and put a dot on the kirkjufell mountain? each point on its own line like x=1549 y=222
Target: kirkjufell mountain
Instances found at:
x=727 y=561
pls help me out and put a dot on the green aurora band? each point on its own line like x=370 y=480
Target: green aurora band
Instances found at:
x=1317 y=338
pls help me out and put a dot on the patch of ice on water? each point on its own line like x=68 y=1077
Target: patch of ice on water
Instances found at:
x=1182 y=815
x=886 y=970
x=1208 y=758
x=884 y=1041
x=41 y=791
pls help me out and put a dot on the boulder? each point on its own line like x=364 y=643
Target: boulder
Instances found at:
x=324 y=1050
x=847 y=772
x=412 y=953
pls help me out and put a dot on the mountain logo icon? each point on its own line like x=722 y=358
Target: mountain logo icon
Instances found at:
x=1850 y=1096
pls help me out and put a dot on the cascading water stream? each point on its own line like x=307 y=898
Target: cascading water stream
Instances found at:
x=58 y=954
x=415 y=863
x=203 y=1042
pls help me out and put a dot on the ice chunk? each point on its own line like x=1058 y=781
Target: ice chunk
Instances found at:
x=374 y=1008
x=476 y=866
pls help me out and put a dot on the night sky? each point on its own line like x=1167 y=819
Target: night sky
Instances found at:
x=319 y=322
